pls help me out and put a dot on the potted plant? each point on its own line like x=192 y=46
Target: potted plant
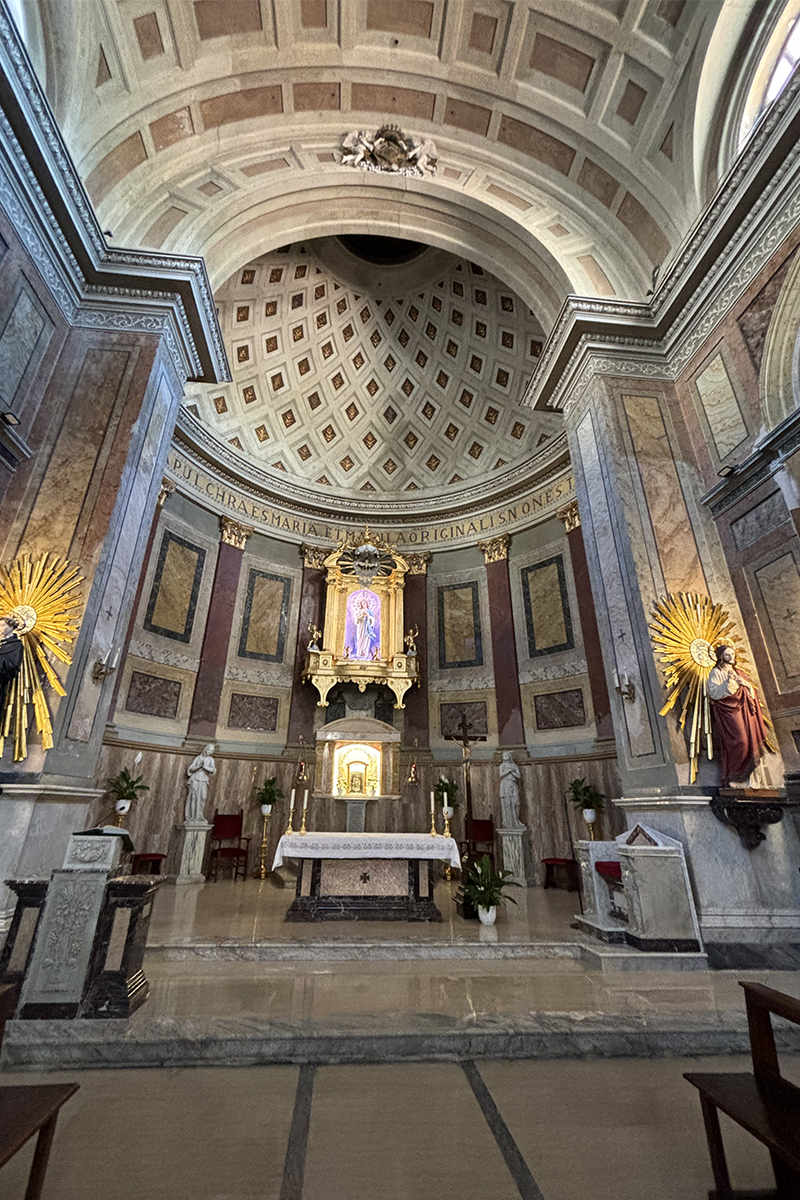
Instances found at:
x=268 y=793
x=483 y=887
x=587 y=798
x=125 y=788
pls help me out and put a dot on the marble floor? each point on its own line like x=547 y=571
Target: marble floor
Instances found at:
x=253 y=911
x=558 y=1130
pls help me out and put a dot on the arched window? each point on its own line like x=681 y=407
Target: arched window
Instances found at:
x=777 y=66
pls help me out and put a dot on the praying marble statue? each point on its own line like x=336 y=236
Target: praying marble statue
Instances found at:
x=509 y=792
x=199 y=776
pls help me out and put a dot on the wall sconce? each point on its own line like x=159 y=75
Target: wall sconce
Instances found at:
x=9 y=418
x=103 y=668
x=626 y=687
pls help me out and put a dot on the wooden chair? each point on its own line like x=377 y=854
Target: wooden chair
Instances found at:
x=227 y=827
x=764 y=1103
x=478 y=838
x=147 y=863
x=558 y=869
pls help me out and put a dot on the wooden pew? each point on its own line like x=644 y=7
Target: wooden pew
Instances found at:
x=764 y=1103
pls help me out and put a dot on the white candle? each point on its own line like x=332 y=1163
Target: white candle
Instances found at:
x=291 y=801
x=432 y=802
x=305 y=800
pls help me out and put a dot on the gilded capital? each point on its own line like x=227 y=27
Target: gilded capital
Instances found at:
x=570 y=516
x=167 y=488
x=496 y=549
x=418 y=563
x=314 y=556
x=234 y=533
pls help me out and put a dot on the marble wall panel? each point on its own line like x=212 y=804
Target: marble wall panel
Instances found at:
x=153 y=696
x=265 y=616
x=256 y=714
x=721 y=406
x=760 y=520
x=26 y=331
x=778 y=605
x=173 y=598
x=754 y=321
x=560 y=710
x=548 y=620
x=475 y=702
x=459 y=625
x=153 y=711
x=674 y=537
x=450 y=718
x=613 y=604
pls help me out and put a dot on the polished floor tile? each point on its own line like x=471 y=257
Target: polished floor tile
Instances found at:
x=607 y=1129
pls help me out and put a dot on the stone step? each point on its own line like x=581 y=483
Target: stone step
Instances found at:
x=250 y=1041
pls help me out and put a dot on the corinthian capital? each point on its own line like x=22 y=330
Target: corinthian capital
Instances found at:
x=234 y=533
x=496 y=549
x=570 y=516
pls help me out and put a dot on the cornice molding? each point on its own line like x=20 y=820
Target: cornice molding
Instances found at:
x=754 y=210
x=548 y=463
x=93 y=284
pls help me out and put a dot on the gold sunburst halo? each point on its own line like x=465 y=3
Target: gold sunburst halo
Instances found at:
x=43 y=596
x=686 y=630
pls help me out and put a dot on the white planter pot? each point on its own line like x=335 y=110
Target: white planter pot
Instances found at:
x=590 y=815
x=487 y=916
x=266 y=809
x=448 y=812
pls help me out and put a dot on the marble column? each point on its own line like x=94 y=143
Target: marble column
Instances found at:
x=604 y=726
x=504 y=642
x=204 y=716
x=647 y=535
x=167 y=488
x=415 y=612
x=312 y=612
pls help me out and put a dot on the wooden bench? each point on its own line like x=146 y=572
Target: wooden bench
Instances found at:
x=763 y=1103
x=25 y=1111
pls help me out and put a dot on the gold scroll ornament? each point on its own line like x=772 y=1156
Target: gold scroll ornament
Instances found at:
x=42 y=596
x=686 y=630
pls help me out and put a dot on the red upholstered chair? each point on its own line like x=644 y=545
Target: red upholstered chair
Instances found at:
x=228 y=828
x=478 y=838
x=566 y=869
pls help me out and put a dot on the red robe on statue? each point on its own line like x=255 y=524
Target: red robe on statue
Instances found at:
x=741 y=732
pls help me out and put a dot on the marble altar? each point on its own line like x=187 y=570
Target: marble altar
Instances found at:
x=373 y=877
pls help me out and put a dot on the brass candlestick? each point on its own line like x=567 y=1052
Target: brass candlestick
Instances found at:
x=263 y=854
x=446 y=821
x=289 y=827
x=433 y=825
x=303 y=829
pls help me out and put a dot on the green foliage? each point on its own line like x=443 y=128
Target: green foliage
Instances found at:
x=269 y=791
x=584 y=795
x=483 y=886
x=445 y=788
x=125 y=786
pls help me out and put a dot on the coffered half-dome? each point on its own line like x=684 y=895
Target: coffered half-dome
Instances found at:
x=375 y=365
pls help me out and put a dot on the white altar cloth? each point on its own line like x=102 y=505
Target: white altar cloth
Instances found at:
x=366 y=845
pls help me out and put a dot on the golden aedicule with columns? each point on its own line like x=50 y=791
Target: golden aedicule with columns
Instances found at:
x=364 y=639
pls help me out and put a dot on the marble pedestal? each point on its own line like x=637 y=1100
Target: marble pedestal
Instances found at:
x=191 y=850
x=515 y=856
x=740 y=895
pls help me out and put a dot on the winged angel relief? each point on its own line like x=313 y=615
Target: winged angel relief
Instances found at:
x=704 y=670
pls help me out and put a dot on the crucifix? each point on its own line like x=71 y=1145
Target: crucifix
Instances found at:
x=466 y=738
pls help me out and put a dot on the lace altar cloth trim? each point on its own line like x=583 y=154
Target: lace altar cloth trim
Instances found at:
x=366 y=845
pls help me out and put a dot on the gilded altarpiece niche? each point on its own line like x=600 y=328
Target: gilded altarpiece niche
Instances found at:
x=364 y=641
x=176 y=586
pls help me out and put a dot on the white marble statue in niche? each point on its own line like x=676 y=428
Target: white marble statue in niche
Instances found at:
x=509 y=792
x=199 y=777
